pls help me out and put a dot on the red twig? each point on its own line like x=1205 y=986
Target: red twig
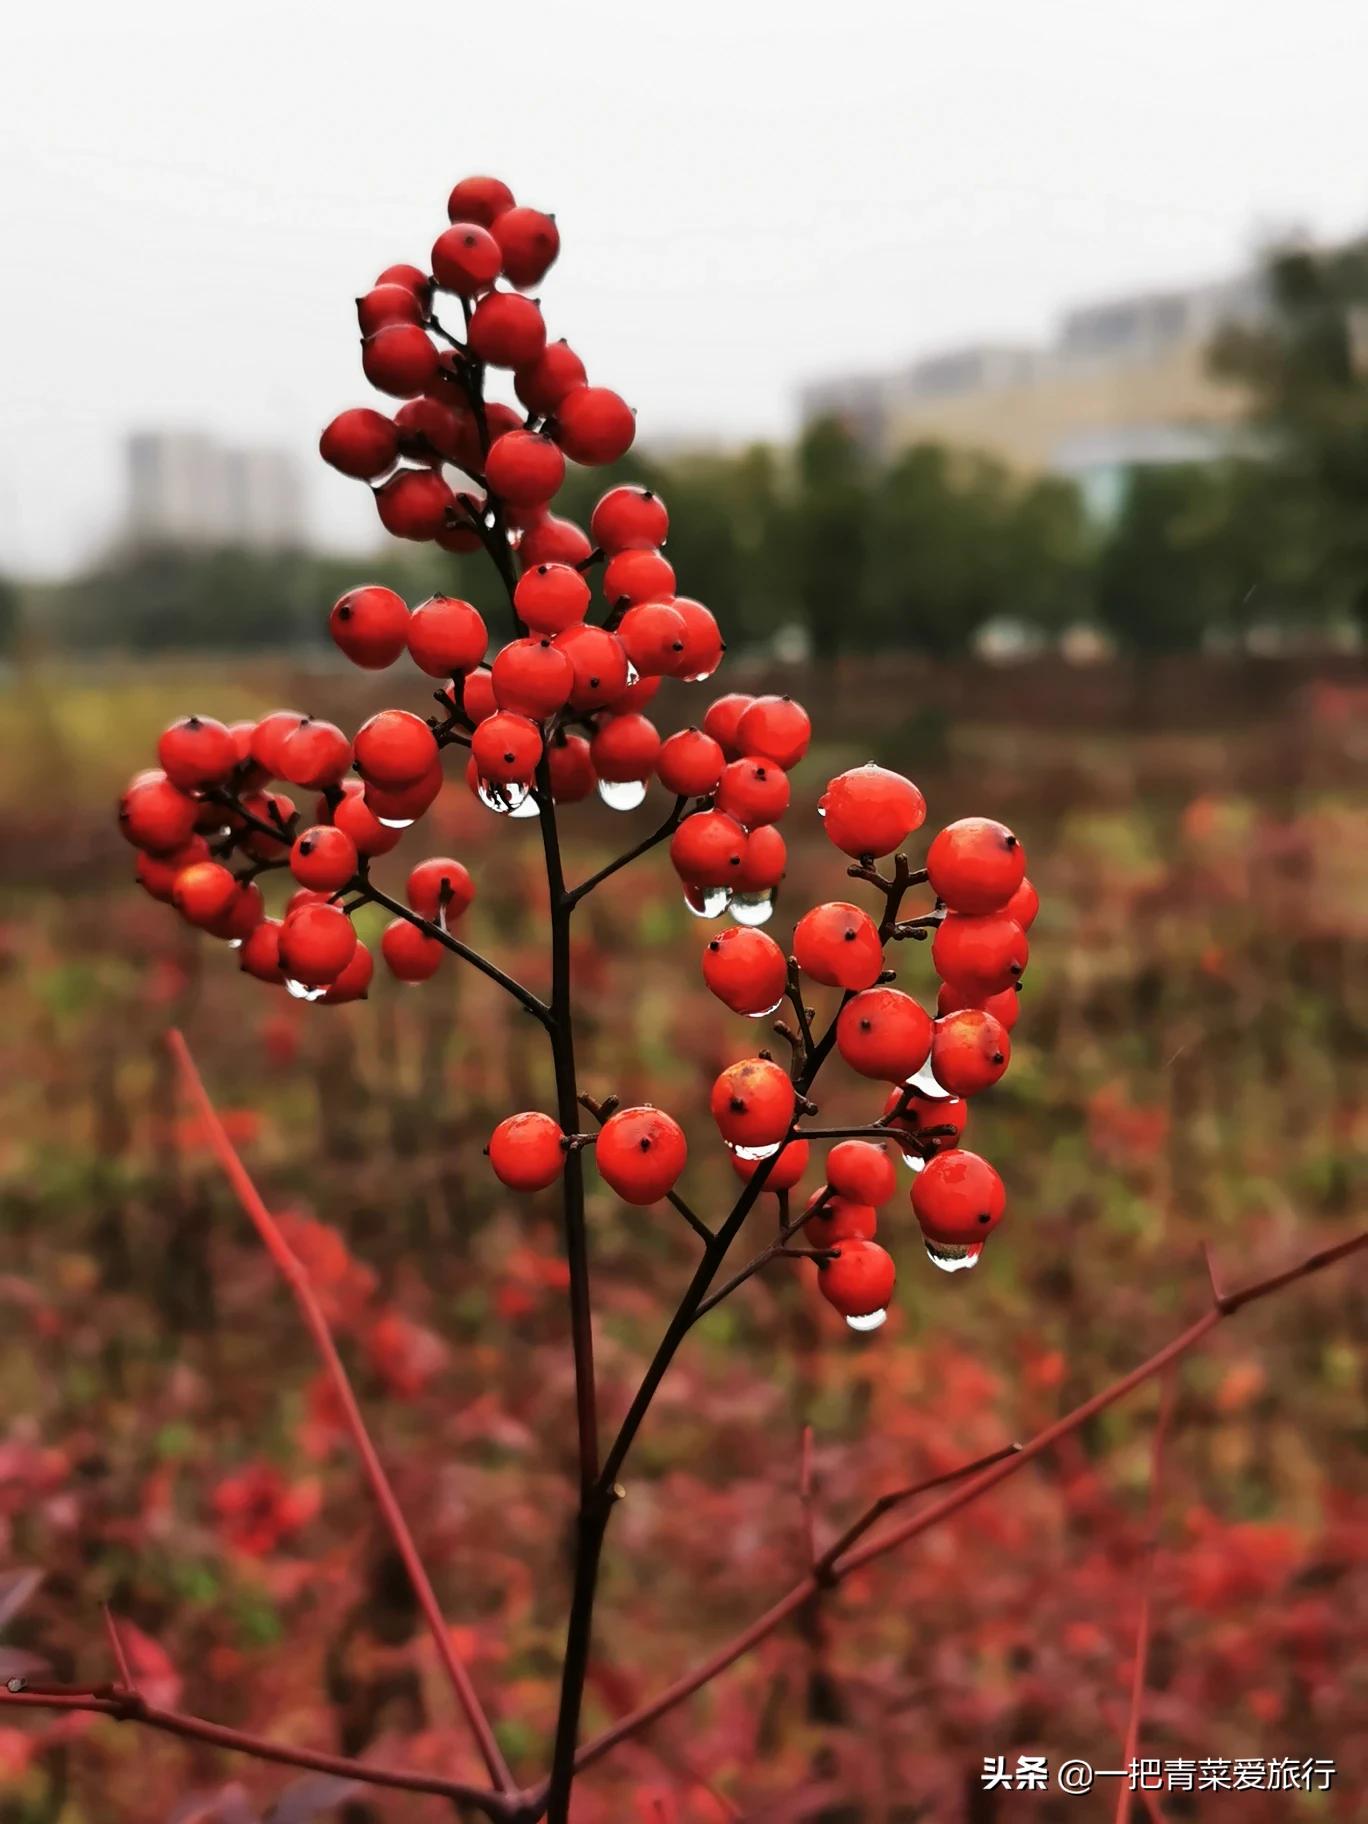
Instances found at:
x=805 y=1496
x=116 y=1647
x=296 y=1276
x=1142 y=1632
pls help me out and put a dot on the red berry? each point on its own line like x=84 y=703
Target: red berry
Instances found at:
x=414 y=504
x=969 y=1052
x=551 y=597
x=532 y=677
x=507 y=330
x=640 y=1154
x=316 y=755
x=707 y=849
x=983 y=953
x=446 y=636
x=753 y=791
x=599 y=663
x=690 y=765
x=786 y=1167
x=594 y=426
x=703 y=646
x=269 y=737
x=361 y=443
x=636 y=696
x=776 y=728
x=394 y=748
x=387 y=304
x=316 y=944
x=458 y=536
x=883 y=1033
x=624 y=748
x=524 y=468
x=401 y=805
x=1004 y=1007
x=324 y=857
x=354 y=982
x=746 y=970
x=629 y=518
x=1023 y=905
x=529 y=242
x=204 y=891
x=466 y=259
x=975 y=865
x=411 y=278
x=157 y=873
x=506 y=748
x=527 y=1151
x=557 y=371
x=440 y=886
x=553 y=541
x=355 y=818
x=370 y=626
x=858 y=1282
x=752 y=1103
x=923 y=1115
x=958 y=1198
x=722 y=720
x=572 y=769
x=869 y=810
x=276 y=810
x=410 y=955
x=762 y=866
x=653 y=634
x=260 y=953
x=838 y=944
x=431 y=430
x=479 y=199
x=840 y=1219
x=154 y=815
x=197 y=752
x=399 y=360
x=861 y=1171
x=637 y=576
x=477 y=696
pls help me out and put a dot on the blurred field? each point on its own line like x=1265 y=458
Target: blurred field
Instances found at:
x=1190 y=1064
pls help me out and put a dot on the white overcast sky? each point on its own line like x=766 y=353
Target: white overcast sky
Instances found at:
x=749 y=193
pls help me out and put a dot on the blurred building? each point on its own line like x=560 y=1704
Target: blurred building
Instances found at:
x=187 y=488
x=1124 y=382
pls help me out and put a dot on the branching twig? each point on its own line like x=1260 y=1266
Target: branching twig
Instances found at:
x=658 y=835
x=1131 y=1746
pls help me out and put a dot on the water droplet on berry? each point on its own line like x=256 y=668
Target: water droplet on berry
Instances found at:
x=528 y=807
x=302 y=992
x=765 y=1012
x=757 y=1152
x=953 y=1257
x=235 y=943
x=925 y=1083
x=707 y=902
x=396 y=823
x=622 y=794
x=752 y=908
x=504 y=799
x=633 y=675
x=915 y=1161
x=874 y=1320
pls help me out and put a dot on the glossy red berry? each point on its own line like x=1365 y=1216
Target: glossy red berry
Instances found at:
x=400 y=805
x=1023 y=905
x=553 y=541
x=323 y=857
x=551 y=597
x=157 y=873
x=394 y=748
x=316 y=944
x=599 y=662
x=414 y=503
x=752 y=1103
x=785 y=1168
x=754 y=791
x=776 y=728
x=629 y=518
x=958 y=1198
x=275 y=810
x=624 y=748
x=410 y=955
x=260 y=952
x=446 y=636
x=653 y=635
x=637 y=576
x=572 y=769
x=636 y=696
x=157 y=816
x=838 y=944
x=969 y=1052
x=361 y=443
x=723 y=718
x=316 y=755
x=532 y=677
x=354 y=982
x=440 y=887
x=506 y=748
x=938 y=1121
x=370 y=626
x=594 y=426
x=386 y=304
x=355 y=818
x=507 y=330
x=640 y=1153
x=479 y=199
x=690 y=765
x=746 y=970
x=412 y=278
x=527 y=1151
x=1005 y=1007
x=862 y=1171
x=703 y=646
x=870 y=811
x=466 y=259
x=400 y=360
x=203 y=892
x=975 y=865
x=525 y=468
x=859 y=1281
x=763 y=864
x=433 y=430
x=477 y=695
x=529 y=242
x=197 y=752
x=542 y=385
x=883 y=1033
x=707 y=849
x=840 y=1219
x=269 y=737
x=983 y=953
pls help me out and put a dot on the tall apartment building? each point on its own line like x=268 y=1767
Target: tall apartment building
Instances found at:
x=187 y=488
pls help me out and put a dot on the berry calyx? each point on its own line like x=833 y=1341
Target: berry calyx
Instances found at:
x=746 y=970
x=861 y=1171
x=640 y=1154
x=969 y=1052
x=775 y=728
x=870 y=811
x=883 y=1033
x=370 y=625
x=858 y=1281
x=838 y=944
x=527 y=1151
x=975 y=865
x=752 y=1103
x=958 y=1198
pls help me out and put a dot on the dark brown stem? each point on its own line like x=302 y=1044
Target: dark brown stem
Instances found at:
x=441 y=935
x=659 y=835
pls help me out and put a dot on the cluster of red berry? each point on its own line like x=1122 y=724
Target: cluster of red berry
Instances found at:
x=558 y=712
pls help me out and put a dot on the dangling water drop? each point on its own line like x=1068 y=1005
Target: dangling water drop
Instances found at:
x=873 y=1321
x=396 y=823
x=528 y=807
x=707 y=902
x=633 y=675
x=926 y=1085
x=757 y=1152
x=302 y=992
x=235 y=943
x=501 y=798
x=622 y=794
x=752 y=908
x=765 y=1012
x=953 y=1257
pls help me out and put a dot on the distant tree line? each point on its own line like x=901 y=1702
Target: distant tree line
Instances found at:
x=920 y=552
